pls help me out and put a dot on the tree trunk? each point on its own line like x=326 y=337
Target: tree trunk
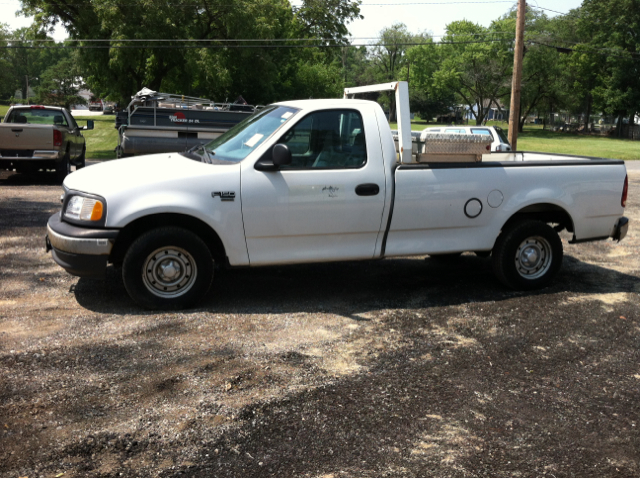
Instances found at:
x=522 y=117
x=586 y=122
x=619 y=125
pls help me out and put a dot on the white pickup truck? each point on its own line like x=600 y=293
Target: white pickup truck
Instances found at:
x=320 y=180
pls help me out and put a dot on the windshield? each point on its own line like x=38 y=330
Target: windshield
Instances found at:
x=235 y=144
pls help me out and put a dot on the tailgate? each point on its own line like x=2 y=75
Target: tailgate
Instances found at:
x=19 y=136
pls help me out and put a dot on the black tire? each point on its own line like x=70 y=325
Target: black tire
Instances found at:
x=183 y=254
x=81 y=161
x=63 y=168
x=527 y=255
x=445 y=257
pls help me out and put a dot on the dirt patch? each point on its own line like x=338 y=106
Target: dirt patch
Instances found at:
x=392 y=368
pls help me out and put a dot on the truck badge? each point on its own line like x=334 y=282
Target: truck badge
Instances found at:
x=224 y=195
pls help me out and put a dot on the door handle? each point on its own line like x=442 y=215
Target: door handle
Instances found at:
x=16 y=130
x=367 y=189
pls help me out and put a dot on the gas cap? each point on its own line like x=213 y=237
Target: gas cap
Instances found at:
x=473 y=208
x=495 y=198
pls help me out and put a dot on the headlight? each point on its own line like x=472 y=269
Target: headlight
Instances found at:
x=86 y=209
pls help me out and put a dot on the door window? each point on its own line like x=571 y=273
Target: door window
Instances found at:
x=329 y=139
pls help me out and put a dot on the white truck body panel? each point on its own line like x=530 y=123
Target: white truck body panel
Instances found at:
x=429 y=209
x=168 y=183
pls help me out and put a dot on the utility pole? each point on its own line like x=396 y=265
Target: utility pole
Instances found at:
x=516 y=81
x=27 y=95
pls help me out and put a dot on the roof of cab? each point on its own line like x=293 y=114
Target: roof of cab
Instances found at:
x=325 y=103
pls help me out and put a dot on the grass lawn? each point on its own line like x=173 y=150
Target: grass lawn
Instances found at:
x=102 y=140
x=573 y=144
x=3 y=110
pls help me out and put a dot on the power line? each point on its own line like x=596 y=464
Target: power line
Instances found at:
x=549 y=10
x=229 y=40
x=151 y=47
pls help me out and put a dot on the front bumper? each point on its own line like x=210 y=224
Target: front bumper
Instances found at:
x=80 y=251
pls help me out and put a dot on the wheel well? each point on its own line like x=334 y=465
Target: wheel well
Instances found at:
x=134 y=229
x=547 y=213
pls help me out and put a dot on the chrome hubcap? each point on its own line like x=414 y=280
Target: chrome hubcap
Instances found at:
x=533 y=257
x=169 y=272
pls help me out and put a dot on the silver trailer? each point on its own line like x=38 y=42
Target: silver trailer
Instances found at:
x=162 y=122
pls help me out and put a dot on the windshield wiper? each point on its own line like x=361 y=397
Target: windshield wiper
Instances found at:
x=192 y=155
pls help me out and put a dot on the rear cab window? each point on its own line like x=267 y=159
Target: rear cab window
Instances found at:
x=37 y=116
x=482 y=131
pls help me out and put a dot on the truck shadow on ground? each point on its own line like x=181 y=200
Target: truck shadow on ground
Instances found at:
x=41 y=178
x=351 y=288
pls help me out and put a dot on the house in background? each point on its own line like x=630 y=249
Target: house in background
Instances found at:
x=495 y=111
x=30 y=94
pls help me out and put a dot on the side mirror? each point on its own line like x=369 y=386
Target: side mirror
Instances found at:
x=281 y=155
x=89 y=125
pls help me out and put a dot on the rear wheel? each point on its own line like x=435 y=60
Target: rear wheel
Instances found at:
x=167 y=268
x=527 y=255
x=63 y=168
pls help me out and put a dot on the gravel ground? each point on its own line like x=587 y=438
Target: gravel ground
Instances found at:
x=400 y=367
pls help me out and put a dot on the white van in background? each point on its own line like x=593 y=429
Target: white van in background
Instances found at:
x=499 y=142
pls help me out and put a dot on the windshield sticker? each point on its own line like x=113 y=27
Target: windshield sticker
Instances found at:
x=286 y=115
x=254 y=140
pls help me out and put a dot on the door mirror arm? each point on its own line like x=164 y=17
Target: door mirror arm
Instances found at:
x=264 y=164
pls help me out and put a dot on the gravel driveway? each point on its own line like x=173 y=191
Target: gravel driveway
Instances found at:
x=403 y=367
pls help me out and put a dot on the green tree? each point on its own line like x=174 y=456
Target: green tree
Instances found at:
x=8 y=80
x=225 y=69
x=388 y=58
x=612 y=28
x=61 y=83
x=476 y=64
x=427 y=101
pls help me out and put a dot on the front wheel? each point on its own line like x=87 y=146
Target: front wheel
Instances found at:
x=167 y=268
x=527 y=255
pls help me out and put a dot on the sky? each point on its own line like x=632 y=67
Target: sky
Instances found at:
x=429 y=16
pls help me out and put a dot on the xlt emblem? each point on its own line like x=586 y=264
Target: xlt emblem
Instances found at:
x=224 y=195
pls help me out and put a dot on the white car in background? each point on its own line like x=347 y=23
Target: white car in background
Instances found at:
x=499 y=142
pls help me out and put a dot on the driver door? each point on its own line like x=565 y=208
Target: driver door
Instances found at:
x=327 y=205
